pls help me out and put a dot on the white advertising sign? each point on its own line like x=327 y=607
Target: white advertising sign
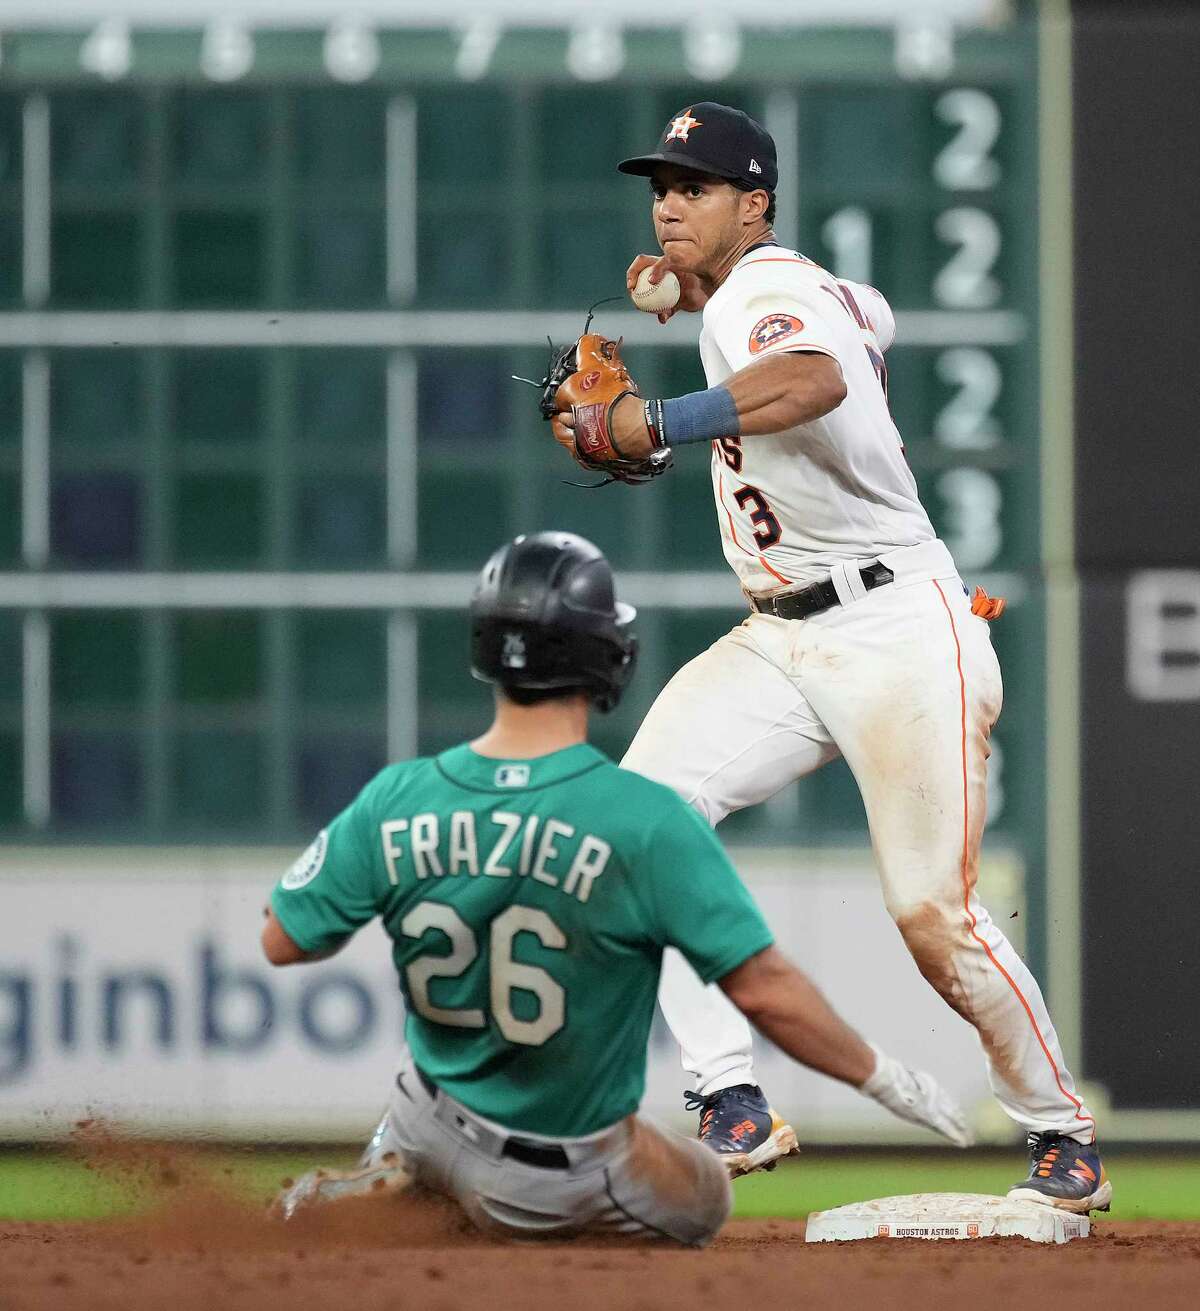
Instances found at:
x=132 y=986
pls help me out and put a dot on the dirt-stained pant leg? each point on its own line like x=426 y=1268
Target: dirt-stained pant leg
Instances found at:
x=632 y=1179
x=728 y=731
x=662 y=1185
x=908 y=684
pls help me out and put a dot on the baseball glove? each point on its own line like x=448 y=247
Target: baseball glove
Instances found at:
x=587 y=379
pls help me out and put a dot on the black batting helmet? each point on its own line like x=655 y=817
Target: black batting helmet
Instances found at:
x=544 y=615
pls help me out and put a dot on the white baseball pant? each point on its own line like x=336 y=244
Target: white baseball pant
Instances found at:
x=903 y=682
x=630 y=1179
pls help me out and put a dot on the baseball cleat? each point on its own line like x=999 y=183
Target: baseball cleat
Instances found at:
x=1064 y=1174
x=740 y=1126
x=317 y=1186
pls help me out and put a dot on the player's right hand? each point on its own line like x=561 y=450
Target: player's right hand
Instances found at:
x=692 y=296
x=917 y=1097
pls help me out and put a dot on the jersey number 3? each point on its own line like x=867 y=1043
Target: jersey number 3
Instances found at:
x=506 y=974
x=767 y=531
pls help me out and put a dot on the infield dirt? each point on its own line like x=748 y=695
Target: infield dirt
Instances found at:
x=206 y=1253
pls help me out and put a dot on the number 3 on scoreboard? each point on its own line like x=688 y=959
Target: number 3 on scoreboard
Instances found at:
x=767 y=531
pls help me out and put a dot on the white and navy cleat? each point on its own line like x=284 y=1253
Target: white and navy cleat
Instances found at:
x=740 y=1126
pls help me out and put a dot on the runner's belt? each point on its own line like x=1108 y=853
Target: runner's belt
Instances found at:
x=814 y=598
x=542 y=1155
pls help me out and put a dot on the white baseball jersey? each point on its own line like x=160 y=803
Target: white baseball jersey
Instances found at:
x=793 y=505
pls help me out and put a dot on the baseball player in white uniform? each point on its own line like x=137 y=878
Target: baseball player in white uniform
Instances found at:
x=861 y=640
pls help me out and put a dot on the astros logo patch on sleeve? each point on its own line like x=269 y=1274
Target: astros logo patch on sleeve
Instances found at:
x=774 y=328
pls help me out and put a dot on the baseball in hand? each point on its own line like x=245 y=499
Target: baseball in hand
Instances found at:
x=654 y=297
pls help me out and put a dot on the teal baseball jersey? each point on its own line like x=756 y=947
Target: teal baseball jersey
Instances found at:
x=528 y=902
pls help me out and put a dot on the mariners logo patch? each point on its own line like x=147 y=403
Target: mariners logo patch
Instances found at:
x=308 y=866
x=774 y=328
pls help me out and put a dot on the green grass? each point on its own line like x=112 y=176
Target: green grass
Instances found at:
x=55 y=1185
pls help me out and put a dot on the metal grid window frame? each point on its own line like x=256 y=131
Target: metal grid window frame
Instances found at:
x=279 y=592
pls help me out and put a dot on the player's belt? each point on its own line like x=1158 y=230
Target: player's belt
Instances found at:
x=544 y=1156
x=814 y=598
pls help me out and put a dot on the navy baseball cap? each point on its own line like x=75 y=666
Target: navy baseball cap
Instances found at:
x=717 y=139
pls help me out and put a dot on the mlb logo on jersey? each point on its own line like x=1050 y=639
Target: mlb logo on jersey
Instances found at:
x=774 y=328
x=512 y=776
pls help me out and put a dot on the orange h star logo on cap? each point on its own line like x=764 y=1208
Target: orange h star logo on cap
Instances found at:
x=681 y=126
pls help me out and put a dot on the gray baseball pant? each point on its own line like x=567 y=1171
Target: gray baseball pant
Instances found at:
x=631 y=1178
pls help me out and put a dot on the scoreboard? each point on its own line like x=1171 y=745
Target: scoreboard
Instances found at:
x=261 y=295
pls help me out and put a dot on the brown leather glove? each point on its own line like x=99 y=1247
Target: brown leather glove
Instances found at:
x=587 y=379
